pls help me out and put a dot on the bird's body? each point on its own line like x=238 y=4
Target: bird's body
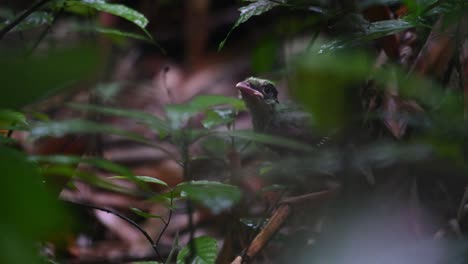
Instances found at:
x=271 y=117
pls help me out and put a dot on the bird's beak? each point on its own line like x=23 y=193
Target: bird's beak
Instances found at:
x=246 y=89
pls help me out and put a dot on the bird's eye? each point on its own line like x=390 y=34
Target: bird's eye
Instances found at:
x=269 y=89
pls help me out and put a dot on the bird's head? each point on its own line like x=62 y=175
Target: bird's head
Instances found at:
x=256 y=91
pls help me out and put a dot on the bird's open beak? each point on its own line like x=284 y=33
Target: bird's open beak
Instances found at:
x=246 y=89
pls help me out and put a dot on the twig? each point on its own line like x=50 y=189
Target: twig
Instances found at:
x=128 y=220
x=166 y=223
x=20 y=18
x=277 y=219
x=188 y=177
x=45 y=31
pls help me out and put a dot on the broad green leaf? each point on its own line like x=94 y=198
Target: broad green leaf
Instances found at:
x=74 y=160
x=216 y=117
x=24 y=197
x=26 y=80
x=36 y=19
x=179 y=114
x=10 y=116
x=206 y=250
x=69 y=171
x=255 y=8
x=116 y=9
x=371 y=31
x=147 y=179
x=417 y=7
x=6 y=140
x=153 y=121
x=213 y=195
x=61 y=128
x=143 y=214
x=268 y=139
x=383 y=28
x=323 y=83
x=113 y=32
x=366 y=3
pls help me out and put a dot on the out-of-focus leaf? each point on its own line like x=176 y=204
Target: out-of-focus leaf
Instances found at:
x=323 y=83
x=6 y=140
x=206 y=250
x=216 y=117
x=114 y=33
x=107 y=92
x=153 y=121
x=383 y=28
x=36 y=19
x=366 y=3
x=417 y=7
x=9 y=117
x=143 y=214
x=61 y=128
x=255 y=8
x=371 y=31
x=116 y=9
x=213 y=195
x=74 y=160
x=263 y=57
x=271 y=140
x=26 y=80
x=23 y=198
x=68 y=171
x=147 y=179
x=178 y=114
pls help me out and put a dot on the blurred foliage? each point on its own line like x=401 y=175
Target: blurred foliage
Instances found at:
x=325 y=77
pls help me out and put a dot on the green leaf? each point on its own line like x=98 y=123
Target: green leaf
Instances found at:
x=255 y=8
x=116 y=9
x=61 y=128
x=113 y=32
x=324 y=84
x=26 y=80
x=143 y=214
x=24 y=197
x=10 y=116
x=268 y=139
x=153 y=121
x=206 y=250
x=179 y=114
x=74 y=160
x=213 y=195
x=36 y=19
x=216 y=117
x=6 y=140
x=417 y=7
x=147 y=179
x=383 y=28
x=71 y=172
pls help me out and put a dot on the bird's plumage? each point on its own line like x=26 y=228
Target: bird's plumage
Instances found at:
x=271 y=117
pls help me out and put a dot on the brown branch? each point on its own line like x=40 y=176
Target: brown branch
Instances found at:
x=20 y=18
x=279 y=216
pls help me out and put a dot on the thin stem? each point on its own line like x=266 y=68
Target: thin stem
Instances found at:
x=188 y=177
x=128 y=220
x=166 y=223
x=45 y=31
x=20 y=18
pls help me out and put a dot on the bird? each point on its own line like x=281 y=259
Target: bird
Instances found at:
x=271 y=117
